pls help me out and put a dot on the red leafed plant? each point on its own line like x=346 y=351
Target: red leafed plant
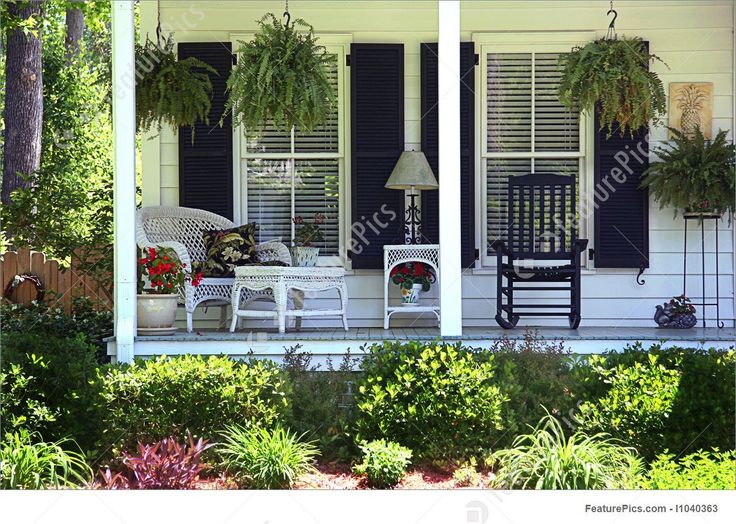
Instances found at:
x=163 y=465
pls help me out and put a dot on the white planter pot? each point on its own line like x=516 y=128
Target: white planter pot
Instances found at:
x=410 y=297
x=157 y=314
x=304 y=256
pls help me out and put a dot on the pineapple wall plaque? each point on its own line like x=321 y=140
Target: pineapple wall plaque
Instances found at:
x=691 y=106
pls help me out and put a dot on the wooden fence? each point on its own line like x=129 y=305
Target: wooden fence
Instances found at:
x=61 y=285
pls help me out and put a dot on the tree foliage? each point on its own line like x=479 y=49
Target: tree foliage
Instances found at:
x=68 y=206
x=613 y=74
x=281 y=76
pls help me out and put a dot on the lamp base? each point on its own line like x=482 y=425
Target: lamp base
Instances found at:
x=413 y=222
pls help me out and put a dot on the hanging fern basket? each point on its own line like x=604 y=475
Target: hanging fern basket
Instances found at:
x=613 y=74
x=281 y=77
x=694 y=175
x=171 y=92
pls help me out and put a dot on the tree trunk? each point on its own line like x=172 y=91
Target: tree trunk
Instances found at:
x=23 y=100
x=74 y=32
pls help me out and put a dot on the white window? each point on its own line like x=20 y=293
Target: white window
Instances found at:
x=525 y=127
x=285 y=174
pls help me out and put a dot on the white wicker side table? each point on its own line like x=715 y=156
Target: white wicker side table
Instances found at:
x=393 y=255
x=282 y=279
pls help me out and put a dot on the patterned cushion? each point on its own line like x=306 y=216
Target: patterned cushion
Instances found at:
x=228 y=248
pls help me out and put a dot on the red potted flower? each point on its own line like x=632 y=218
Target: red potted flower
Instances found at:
x=413 y=278
x=161 y=278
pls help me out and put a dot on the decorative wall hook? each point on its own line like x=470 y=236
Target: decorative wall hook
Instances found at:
x=640 y=280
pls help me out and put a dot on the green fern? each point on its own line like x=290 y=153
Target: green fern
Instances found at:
x=694 y=174
x=281 y=76
x=614 y=75
x=170 y=92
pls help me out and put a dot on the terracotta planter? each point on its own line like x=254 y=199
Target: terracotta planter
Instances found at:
x=304 y=256
x=157 y=314
x=410 y=297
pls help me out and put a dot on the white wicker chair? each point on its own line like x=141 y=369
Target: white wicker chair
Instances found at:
x=180 y=229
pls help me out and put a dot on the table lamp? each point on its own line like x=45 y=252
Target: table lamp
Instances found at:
x=412 y=173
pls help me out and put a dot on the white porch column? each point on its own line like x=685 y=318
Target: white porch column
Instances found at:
x=449 y=164
x=123 y=115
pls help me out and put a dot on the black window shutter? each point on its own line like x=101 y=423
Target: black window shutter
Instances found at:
x=377 y=122
x=206 y=165
x=621 y=213
x=430 y=146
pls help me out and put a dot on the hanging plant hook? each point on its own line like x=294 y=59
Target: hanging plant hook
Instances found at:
x=158 y=23
x=611 y=34
x=287 y=15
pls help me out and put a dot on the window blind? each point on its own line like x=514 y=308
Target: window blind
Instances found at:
x=294 y=173
x=528 y=129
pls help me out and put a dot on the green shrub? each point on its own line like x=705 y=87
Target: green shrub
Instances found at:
x=322 y=402
x=43 y=319
x=636 y=406
x=263 y=459
x=25 y=464
x=547 y=459
x=436 y=399
x=533 y=373
x=51 y=386
x=702 y=413
x=22 y=401
x=384 y=463
x=701 y=470
x=152 y=399
x=466 y=476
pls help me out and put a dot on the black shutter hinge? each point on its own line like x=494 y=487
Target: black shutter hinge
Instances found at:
x=476 y=253
x=235 y=59
x=476 y=59
x=591 y=253
x=347 y=60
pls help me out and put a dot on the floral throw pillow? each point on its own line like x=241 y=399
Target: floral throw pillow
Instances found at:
x=228 y=248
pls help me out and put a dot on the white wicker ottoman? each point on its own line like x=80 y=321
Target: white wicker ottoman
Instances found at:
x=281 y=280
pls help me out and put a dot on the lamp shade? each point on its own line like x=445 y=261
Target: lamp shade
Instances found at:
x=412 y=171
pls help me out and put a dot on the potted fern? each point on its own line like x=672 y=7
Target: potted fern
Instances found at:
x=281 y=77
x=169 y=91
x=694 y=175
x=613 y=74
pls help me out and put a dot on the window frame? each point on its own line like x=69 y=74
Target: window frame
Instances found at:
x=338 y=44
x=528 y=43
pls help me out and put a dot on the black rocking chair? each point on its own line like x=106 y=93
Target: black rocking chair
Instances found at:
x=542 y=248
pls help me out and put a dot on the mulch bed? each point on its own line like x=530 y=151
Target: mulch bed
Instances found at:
x=338 y=476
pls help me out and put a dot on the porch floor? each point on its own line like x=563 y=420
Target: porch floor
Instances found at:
x=270 y=343
x=469 y=333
